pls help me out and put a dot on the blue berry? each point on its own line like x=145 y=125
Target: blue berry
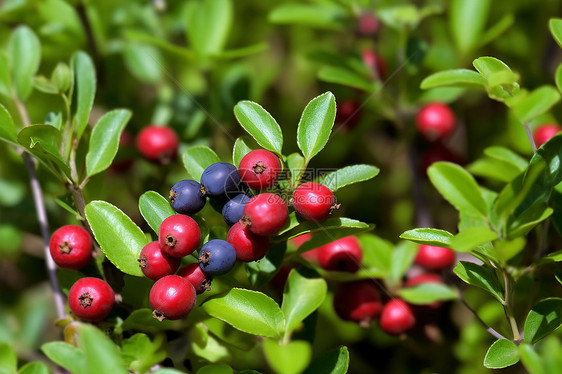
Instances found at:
x=217 y=257
x=186 y=197
x=233 y=210
x=221 y=179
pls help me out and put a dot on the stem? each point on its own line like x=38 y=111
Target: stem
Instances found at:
x=507 y=306
x=493 y=332
x=530 y=137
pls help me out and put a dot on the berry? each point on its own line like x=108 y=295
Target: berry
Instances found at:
x=260 y=169
x=435 y=258
x=341 y=255
x=397 y=317
x=155 y=264
x=172 y=297
x=186 y=197
x=221 y=179
x=266 y=214
x=368 y=24
x=247 y=245
x=71 y=247
x=197 y=277
x=314 y=202
x=543 y=133
x=158 y=144
x=217 y=257
x=297 y=241
x=179 y=235
x=435 y=121
x=233 y=210
x=375 y=62
x=91 y=299
x=348 y=114
x=358 y=301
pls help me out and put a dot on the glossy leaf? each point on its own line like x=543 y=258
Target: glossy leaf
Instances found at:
x=143 y=61
x=102 y=355
x=454 y=78
x=261 y=272
x=507 y=155
x=427 y=293
x=489 y=65
x=555 y=26
x=536 y=103
x=8 y=359
x=480 y=276
x=288 y=358
x=66 y=355
x=346 y=77
x=154 y=208
x=25 y=55
x=322 y=16
x=43 y=141
x=467 y=19
x=402 y=258
x=34 y=367
x=472 y=237
x=531 y=359
x=7 y=127
x=439 y=238
x=196 y=159
x=85 y=89
x=316 y=124
x=326 y=228
x=348 y=175
x=501 y=354
x=295 y=164
x=209 y=26
x=260 y=125
x=543 y=319
x=242 y=146
x=141 y=353
x=377 y=253
x=333 y=362
x=558 y=78
x=493 y=169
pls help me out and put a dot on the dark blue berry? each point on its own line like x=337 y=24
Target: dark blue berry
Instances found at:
x=217 y=257
x=233 y=210
x=186 y=197
x=221 y=179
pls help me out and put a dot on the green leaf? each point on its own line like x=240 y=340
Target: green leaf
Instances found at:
x=35 y=367
x=489 y=65
x=325 y=228
x=5 y=80
x=209 y=25
x=85 y=89
x=454 y=78
x=531 y=359
x=8 y=359
x=558 y=78
x=118 y=236
x=242 y=146
x=142 y=320
x=333 y=362
x=436 y=237
x=402 y=258
x=497 y=29
x=543 y=319
x=427 y=293
x=458 y=187
x=301 y=297
x=43 y=141
x=104 y=141
x=66 y=355
x=141 y=353
x=7 y=128
x=347 y=77
x=472 y=237
x=214 y=369
x=42 y=84
x=154 y=208
x=25 y=55
x=288 y=358
x=102 y=355
x=508 y=156
x=243 y=51
x=295 y=164
x=323 y=16
x=143 y=61
x=501 y=354
x=555 y=26
x=480 y=276
x=260 y=272
x=493 y=169
x=377 y=253
x=61 y=77
x=316 y=125
x=198 y=158
x=536 y=103
x=348 y=175
x=249 y=311
x=260 y=125
x=467 y=19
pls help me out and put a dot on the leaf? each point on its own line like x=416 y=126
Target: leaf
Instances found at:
x=102 y=355
x=7 y=128
x=508 y=156
x=248 y=311
x=25 y=55
x=42 y=84
x=288 y=358
x=467 y=20
x=325 y=228
x=214 y=369
x=143 y=61
x=543 y=319
x=260 y=272
x=497 y=29
x=242 y=146
x=472 y=237
x=333 y=362
x=436 y=237
x=402 y=258
x=142 y=320
x=5 y=83
x=316 y=124
x=196 y=159
x=321 y=16
x=347 y=77
x=295 y=164
x=454 y=78
x=489 y=65
x=104 y=141
x=501 y=354
x=154 y=208
x=35 y=367
x=43 y=141
x=555 y=27
x=536 y=103
x=480 y=276
x=260 y=125
x=493 y=169
x=85 y=89
x=377 y=253
x=8 y=359
x=348 y=175
x=118 y=236
x=243 y=51
x=530 y=359
x=66 y=355
x=427 y=293
x=141 y=353
x=558 y=78
x=209 y=26
x=301 y=297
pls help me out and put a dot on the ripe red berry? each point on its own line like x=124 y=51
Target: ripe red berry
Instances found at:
x=248 y=246
x=91 y=299
x=435 y=121
x=543 y=133
x=341 y=255
x=358 y=301
x=368 y=24
x=260 y=169
x=314 y=202
x=155 y=264
x=348 y=114
x=158 y=144
x=71 y=247
x=397 y=317
x=179 y=235
x=435 y=258
x=375 y=62
x=197 y=277
x=172 y=297
x=265 y=214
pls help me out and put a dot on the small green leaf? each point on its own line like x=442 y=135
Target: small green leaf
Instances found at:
x=141 y=353
x=209 y=25
x=43 y=141
x=558 y=77
x=377 y=253
x=7 y=128
x=260 y=272
x=472 y=237
x=196 y=159
x=143 y=61
x=531 y=359
x=5 y=80
x=326 y=228
x=439 y=238
x=501 y=354
x=85 y=89
x=102 y=355
x=348 y=175
x=467 y=20
x=536 y=103
x=508 y=156
x=454 y=78
x=66 y=355
x=242 y=146
x=489 y=65
x=260 y=125
x=289 y=358
x=35 y=367
x=42 y=84
x=213 y=369
x=427 y=293
x=347 y=77
x=402 y=258
x=543 y=319
x=8 y=359
x=316 y=124
x=497 y=29
x=142 y=320
x=104 y=141
x=154 y=208
x=555 y=26
x=333 y=362
x=118 y=236
x=323 y=16
x=25 y=55
x=480 y=276
x=295 y=164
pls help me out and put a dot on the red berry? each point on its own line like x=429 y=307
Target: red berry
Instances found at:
x=91 y=299
x=438 y=152
x=265 y=214
x=375 y=62
x=397 y=317
x=435 y=121
x=297 y=241
x=358 y=301
x=155 y=264
x=248 y=246
x=348 y=114
x=341 y=255
x=158 y=143
x=71 y=247
x=368 y=24
x=197 y=277
x=179 y=235
x=260 y=169
x=435 y=258
x=314 y=202
x=172 y=297
x=543 y=133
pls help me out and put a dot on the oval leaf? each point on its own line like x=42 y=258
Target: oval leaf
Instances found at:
x=65 y=355
x=85 y=89
x=25 y=54
x=544 y=318
x=467 y=20
x=35 y=367
x=325 y=227
x=402 y=258
x=480 y=276
x=501 y=354
x=555 y=26
x=558 y=77
x=347 y=77
x=143 y=61
x=209 y=26
x=288 y=358
x=43 y=141
x=348 y=175
x=316 y=124
x=260 y=125
x=102 y=355
x=7 y=128
x=197 y=159
x=154 y=209
x=242 y=146
x=472 y=237
x=439 y=238
x=428 y=293
x=536 y=103
x=333 y=362
x=454 y=78
x=531 y=359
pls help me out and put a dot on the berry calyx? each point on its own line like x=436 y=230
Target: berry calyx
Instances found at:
x=91 y=299
x=220 y=180
x=197 y=277
x=158 y=144
x=397 y=317
x=543 y=133
x=435 y=121
x=233 y=210
x=434 y=258
x=265 y=214
x=358 y=301
x=71 y=247
x=179 y=235
x=155 y=264
x=186 y=197
x=344 y=254
x=314 y=202
x=217 y=257
x=172 y=297
x=247 y=245
x=259 y=169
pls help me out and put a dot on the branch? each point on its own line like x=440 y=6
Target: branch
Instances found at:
x=493 y=332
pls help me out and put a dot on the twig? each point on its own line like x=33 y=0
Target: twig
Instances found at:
x=530 y=136
x=488 y=328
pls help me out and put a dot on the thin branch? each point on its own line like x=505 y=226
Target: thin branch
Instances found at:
x=530 y=136
x=493 y=332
